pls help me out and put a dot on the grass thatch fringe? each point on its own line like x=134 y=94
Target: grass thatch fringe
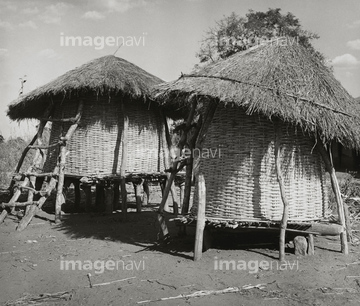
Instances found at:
x=105 y=76
x=278 y=79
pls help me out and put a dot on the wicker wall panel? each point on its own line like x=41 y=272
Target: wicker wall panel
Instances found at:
x=95 y=148
x=241 y=181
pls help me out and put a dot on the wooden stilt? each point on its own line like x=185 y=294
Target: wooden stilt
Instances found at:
x=60 y=199
x=174 y=198
x=124 y=162
x=138 y=195
x=162 y=187
x=347 y=223
x=76 y=184
x=109 y=199
x=100 y=197
x=284 y=199
x=200 y=222
x=88 y=197
x=123 y=199
x=116 y=195
x=147 y=193
x=311 y=245
x=336 y=189
x=182 y=189
x=32 y=182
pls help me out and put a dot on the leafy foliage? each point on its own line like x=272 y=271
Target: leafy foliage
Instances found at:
x=234 y=33
x=10 y=152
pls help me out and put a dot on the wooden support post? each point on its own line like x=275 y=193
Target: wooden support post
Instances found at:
x=200 y=222
x=109 y=199
x=123 y=199
x=60 y=199
x=76 y=184
x=100 y=197
x=311 y=245
x=174 y=198
x=138 y=191
x=284 y=199
x=124 y=162
x=182 y=189
x=146 y=193
x=32 y=182
x=116 y=195
x=62 y=162
x=347 y=223
x=88 y=197
x=336 y=189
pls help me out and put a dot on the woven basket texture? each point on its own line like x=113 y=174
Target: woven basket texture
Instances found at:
x=238 y=163
x=96 y=149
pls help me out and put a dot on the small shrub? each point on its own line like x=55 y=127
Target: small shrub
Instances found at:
x=10 y=153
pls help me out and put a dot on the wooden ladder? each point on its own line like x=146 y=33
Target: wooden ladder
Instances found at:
x=53 y=180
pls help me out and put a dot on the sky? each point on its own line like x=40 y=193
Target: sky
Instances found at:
x=160 y=36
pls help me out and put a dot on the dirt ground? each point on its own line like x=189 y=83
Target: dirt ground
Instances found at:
x=32 y=266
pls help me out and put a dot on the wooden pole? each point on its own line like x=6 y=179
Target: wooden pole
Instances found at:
x=336 y=189
x=116 y=195
x=182 y=189
x=200 y=222
x=284 y=199
x=124 y=162
x=62 y=162
x=109 y=199
x=138 y=193
x=100 y=196
x=311 y=245
x=146 y=192
x=88 y=196
x=76 y=183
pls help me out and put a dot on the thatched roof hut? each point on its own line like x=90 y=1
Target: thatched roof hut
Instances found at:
x=105 y=85
x=273 y=93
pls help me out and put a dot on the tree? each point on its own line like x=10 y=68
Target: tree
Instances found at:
x=233 y=34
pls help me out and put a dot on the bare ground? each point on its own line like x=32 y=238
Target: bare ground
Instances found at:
x=30 y=265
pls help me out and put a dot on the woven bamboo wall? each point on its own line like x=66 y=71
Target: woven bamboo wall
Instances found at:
x=240 y=178
x=95 y=148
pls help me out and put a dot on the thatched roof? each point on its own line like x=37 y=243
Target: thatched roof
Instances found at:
x=108 y=75
x=278 y=79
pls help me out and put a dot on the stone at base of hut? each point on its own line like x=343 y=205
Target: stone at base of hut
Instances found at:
x=301 y=245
